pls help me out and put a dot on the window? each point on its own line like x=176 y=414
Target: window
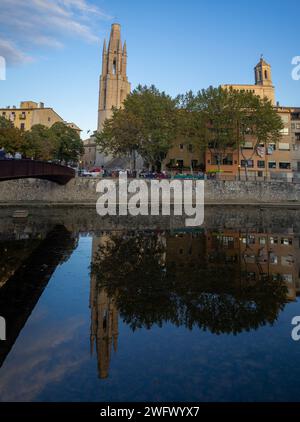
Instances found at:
x=179 y=163
x=286 y=241
x=288 y=278
x=266 y=74
x=181 y=146
x=190 y=148
x=215 y=159
x=114 y=68
x=259 y=174
x=273 y=259
x=273 y=240
x=248 y=145
x=49 y=119
x=285 y=166
x=284 y=146
x=284 y=131
x=227 y=161
x=262 y=240
x=261 y=164
x=194 y=163
x=271 y=146
x=272 y=164
x=247 y=163
x=22 y=126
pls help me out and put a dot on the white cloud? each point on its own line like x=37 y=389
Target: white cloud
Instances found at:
x=10 y=52
x=24 y=25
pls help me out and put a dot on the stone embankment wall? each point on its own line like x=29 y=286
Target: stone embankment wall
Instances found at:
x=83 y=191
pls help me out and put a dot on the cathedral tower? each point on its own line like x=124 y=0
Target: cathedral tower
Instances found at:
x=263 y=75
x=114 y=85
x=263 y=79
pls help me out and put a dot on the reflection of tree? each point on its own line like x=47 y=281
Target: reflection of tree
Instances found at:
x=209 y=296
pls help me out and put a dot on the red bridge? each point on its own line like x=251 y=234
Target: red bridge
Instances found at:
x=23 y=169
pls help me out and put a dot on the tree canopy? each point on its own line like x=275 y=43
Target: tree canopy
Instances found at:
x=145 y=125
x=58 y=143
x=218 y=119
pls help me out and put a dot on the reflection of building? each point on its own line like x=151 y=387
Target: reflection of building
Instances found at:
x=260 y=255
x=184 y=250
x=31 y=113
x=104 y=319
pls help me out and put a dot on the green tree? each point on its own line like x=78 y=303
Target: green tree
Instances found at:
x=68 y=145
x=40 y=143
x=147 y=125
x=11 y=138
x=222 y=120
x=5 y=123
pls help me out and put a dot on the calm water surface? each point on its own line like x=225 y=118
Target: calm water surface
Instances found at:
x=151 y=314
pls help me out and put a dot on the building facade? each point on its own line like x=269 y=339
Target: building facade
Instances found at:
x=30 y=113
x=263 y=86
x=270 y=160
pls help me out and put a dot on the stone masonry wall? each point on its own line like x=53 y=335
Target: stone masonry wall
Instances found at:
x=83 y=191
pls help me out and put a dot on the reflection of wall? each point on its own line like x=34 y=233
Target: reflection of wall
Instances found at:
x=104 y=318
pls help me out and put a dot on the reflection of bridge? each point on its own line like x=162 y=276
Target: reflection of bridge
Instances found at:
x=22 y=290
x=22 y=169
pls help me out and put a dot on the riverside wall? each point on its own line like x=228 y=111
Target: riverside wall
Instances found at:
x=83 y=191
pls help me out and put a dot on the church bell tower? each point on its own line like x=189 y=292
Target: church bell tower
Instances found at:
x=114 y=85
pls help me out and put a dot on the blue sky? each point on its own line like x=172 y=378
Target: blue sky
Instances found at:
x=53 y=47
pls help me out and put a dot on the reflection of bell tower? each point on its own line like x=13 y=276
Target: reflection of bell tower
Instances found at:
x=104 y=320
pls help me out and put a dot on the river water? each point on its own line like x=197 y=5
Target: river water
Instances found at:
x=146 y=310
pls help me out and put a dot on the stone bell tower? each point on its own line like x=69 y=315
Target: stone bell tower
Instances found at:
x=114 y=85
x=263 y=79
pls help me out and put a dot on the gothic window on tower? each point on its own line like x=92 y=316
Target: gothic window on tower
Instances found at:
x=114 y=67
x=266 y=74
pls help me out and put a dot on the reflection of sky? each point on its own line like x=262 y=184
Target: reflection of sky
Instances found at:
x=51 y=360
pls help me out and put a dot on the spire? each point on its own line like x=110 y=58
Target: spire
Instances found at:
x=104 y=59
x=120 y=46
x=125 y=49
